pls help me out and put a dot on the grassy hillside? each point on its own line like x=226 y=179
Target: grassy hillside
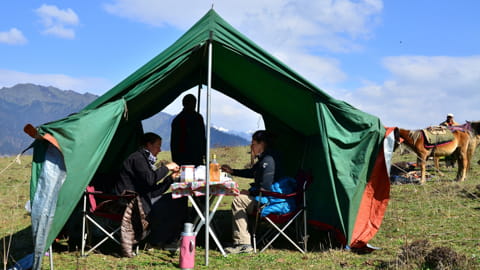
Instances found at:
x=34 y=104
x=439 y=220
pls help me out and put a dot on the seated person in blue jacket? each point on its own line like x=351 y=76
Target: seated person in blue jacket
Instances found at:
x=264 y=172
x=139 y=174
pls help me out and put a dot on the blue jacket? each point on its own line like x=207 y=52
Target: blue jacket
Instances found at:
x=285 y=185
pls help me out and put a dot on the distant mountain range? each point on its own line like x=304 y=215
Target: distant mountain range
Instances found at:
x=36 y=104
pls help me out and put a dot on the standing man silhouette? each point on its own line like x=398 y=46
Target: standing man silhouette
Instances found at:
x=187 y=140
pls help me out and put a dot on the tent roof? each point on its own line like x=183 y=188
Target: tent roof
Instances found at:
x=337 y=142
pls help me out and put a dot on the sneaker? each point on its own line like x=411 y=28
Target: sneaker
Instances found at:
x=239 y=249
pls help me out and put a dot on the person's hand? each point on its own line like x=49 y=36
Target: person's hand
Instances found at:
x=176 y=176
x=244 y=192
x=172 y=166
x=227 y=169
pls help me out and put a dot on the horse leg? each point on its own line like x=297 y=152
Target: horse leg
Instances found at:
x=437 y=165
x=423 y=164
x=462 y=165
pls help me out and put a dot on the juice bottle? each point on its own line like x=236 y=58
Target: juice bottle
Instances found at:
x=214 y=170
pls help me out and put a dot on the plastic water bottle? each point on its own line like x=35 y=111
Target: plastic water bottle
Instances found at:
x=187 y=247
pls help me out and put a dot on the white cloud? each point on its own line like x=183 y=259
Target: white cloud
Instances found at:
x=422 y=90
x=60 y=31
x=322 y=71
x=97 y=86
x=58 y=22
x=454 y=72
x=297 y=17
x=13 y=37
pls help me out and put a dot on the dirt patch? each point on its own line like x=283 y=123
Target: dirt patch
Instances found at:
x=444 y=258
x=421 y=255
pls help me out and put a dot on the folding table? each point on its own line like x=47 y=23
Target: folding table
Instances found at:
x=197 y=188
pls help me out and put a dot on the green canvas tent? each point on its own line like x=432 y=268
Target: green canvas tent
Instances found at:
x=341 y=145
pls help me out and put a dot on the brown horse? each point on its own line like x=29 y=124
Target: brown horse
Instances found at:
x=459 y=146
x=473 y=129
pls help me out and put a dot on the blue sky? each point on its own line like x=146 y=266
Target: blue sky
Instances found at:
x=407 y=62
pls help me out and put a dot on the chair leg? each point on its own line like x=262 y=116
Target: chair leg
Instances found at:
x=51 y=257
x=301 y=232
x=281 y=232
x=305 y=232
x=84 y=221
x=109 y=235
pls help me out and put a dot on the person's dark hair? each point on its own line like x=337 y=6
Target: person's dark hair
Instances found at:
x=189 y=100
x=150 y=137
x=263 y=136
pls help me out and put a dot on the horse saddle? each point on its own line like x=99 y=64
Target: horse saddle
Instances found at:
x=437 y=135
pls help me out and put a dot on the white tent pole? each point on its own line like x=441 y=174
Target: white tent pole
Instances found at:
x=207 y=159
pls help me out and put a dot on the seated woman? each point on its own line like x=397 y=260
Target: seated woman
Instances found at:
x=265 y=172
x=139 y=174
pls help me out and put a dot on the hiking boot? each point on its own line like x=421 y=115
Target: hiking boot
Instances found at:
x=239 y=249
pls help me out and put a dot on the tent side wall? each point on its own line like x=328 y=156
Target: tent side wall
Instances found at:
x=344 y=155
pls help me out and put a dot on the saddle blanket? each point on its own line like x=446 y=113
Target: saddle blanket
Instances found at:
x=437 y=135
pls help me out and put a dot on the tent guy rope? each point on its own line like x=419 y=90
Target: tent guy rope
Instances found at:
x=15 y=160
